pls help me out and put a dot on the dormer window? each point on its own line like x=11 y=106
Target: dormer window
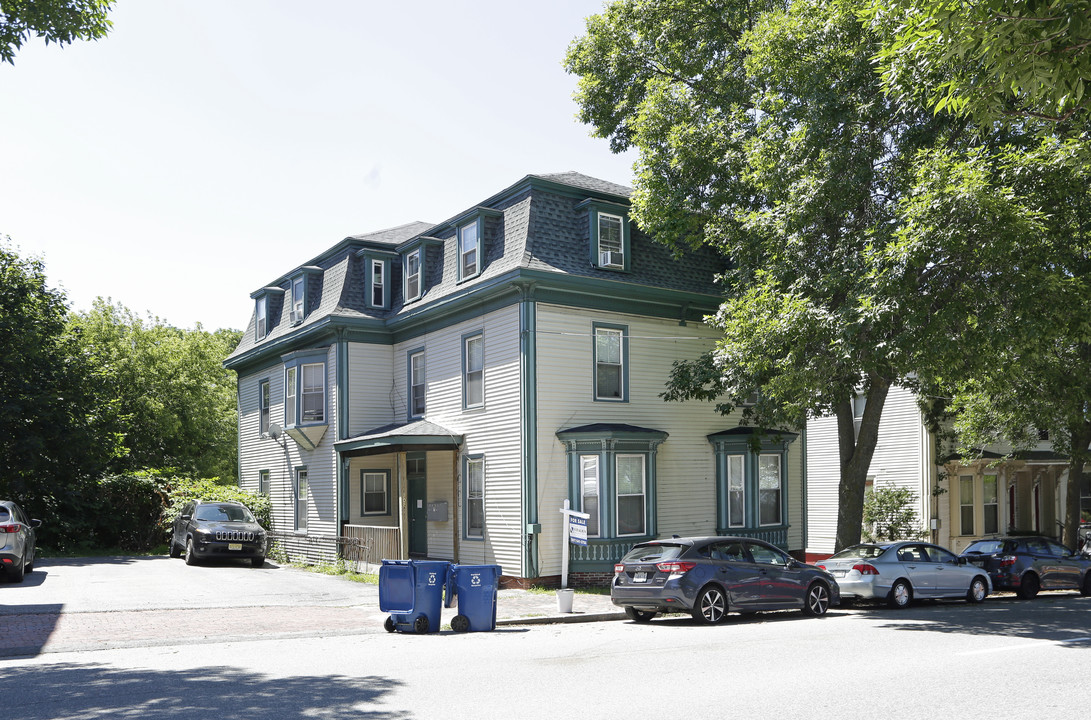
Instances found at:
x=298 y=296
x=261 y=317
x=611 y=249
x=378 y=283
x=468 y=250
x=608 y=234
x=412 y=275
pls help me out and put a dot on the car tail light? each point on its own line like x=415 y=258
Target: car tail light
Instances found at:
x=675 y=567
x=1007 y=560
x=865 y=569
x=618 y=569
x=9 y=528
x=821 y=566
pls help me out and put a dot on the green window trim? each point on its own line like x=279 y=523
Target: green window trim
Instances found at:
x=473 y=371
x=302 y=370
x=382 y=476
x=606 y=242
x=473 y=497
x=301 y=495
x=743 y=459
x=611 y=446
x=610 y=362
x=416 y=383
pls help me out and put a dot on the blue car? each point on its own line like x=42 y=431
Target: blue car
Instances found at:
x=711 y=576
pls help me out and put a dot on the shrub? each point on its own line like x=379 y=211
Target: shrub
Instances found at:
x=889 y=515
x=183 y=489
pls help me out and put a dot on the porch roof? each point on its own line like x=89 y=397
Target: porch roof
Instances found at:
x=416 y=436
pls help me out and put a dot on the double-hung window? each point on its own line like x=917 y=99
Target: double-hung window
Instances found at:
x=611 y=245
x=473 y=371
x=468 y=250
x=610 y=349
x=313 y=400
x=966 y=504
x=417 y=386
x=474 y=498
x=608 y=230
x=263 y=407
x=298 y=293
x=589 y=487
x=992 y=506
x=736 y=491
x=290 y=394
x=375 y=492
x=261 y=317
x=769 y=490
x=302 y=498
x=378 y=283
x=412 y=275
x=631 y=495
x=263 y=482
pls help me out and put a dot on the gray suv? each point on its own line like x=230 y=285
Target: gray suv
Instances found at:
x=209 y=529
x=17 y=541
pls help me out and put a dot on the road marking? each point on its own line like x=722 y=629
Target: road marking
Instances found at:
x=1026 y=645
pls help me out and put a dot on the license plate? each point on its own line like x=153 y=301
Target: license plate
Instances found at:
x=640 y=577
x=837 y=573
x=234 y=546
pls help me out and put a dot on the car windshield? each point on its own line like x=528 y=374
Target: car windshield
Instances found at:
x=859 y=551
x=649 y=553
x=224 y=513
x=984 y=547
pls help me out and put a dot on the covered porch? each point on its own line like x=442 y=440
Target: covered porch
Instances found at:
x=398 y=494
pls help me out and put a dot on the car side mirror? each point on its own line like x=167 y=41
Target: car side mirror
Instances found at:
x=35 y=523
x=186 y=517
x=961 y=560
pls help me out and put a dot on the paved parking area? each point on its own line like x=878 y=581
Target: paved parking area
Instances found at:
x=76 y=604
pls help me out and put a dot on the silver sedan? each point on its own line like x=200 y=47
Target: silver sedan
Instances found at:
x=900 y=572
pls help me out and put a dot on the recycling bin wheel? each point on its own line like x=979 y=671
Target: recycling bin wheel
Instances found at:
x=389 y=624
x=421 y=624
x=460 y=623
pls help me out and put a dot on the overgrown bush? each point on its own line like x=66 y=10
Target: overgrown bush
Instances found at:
x=889 y=514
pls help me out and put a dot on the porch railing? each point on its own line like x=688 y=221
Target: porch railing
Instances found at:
x=368 y=545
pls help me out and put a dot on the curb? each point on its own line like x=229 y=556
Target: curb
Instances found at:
x=551 y=619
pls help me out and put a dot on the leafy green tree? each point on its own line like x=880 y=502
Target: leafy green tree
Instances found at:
x=169 y=396
x=1027 y=208
x=58 y=21
x=763 y=130
x=990 y=59
x=52 y=440
x=889 y=514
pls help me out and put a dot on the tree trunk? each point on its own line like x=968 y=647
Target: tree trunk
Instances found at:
x=1081 y=438
x=856 y=451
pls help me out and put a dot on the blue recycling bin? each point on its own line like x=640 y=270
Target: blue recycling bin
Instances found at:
x=475 y=588
x=412 y=592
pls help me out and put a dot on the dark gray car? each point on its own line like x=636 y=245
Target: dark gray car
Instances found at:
x=224 y=530
x=18 y=541
x=711 y=576
x=1029 y=564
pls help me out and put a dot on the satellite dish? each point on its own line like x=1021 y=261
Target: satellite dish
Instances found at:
x=275 y=430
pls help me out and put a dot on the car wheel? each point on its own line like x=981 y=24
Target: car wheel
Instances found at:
x=640 y=616
x=257 y=561
x=1030 y=586
x=979 y=589
x=420 y=625
x=175 y=551
x=711 y=606
x=818 y=600
x=389 y=624
x=1085 y=589
x=16 y=572
x=191 y=558
x=900 y=594
x=30 y=564
x=460 y=623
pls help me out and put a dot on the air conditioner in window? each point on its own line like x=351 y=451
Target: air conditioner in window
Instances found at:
x=295 y=317
x=611 y=259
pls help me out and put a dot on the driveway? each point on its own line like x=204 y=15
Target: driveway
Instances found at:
x=97 y=603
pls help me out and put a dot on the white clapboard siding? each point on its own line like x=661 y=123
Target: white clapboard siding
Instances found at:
x=685 y=464
x=899 y=461
x=492 y=431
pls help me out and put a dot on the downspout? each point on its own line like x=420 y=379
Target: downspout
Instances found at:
x=342 y=495
x=803 y=475
x=529 y=427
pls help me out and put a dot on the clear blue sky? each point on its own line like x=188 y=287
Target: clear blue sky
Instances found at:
x=204 y=148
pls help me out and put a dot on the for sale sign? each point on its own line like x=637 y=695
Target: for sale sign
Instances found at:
x=577 y=530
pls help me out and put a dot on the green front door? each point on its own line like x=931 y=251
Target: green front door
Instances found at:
x=417 y=488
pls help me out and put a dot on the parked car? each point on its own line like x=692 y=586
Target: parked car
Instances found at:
x=225 y=530
x=900 y=572
x=18 y=541
x=1029 y=564
x=711 y=576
